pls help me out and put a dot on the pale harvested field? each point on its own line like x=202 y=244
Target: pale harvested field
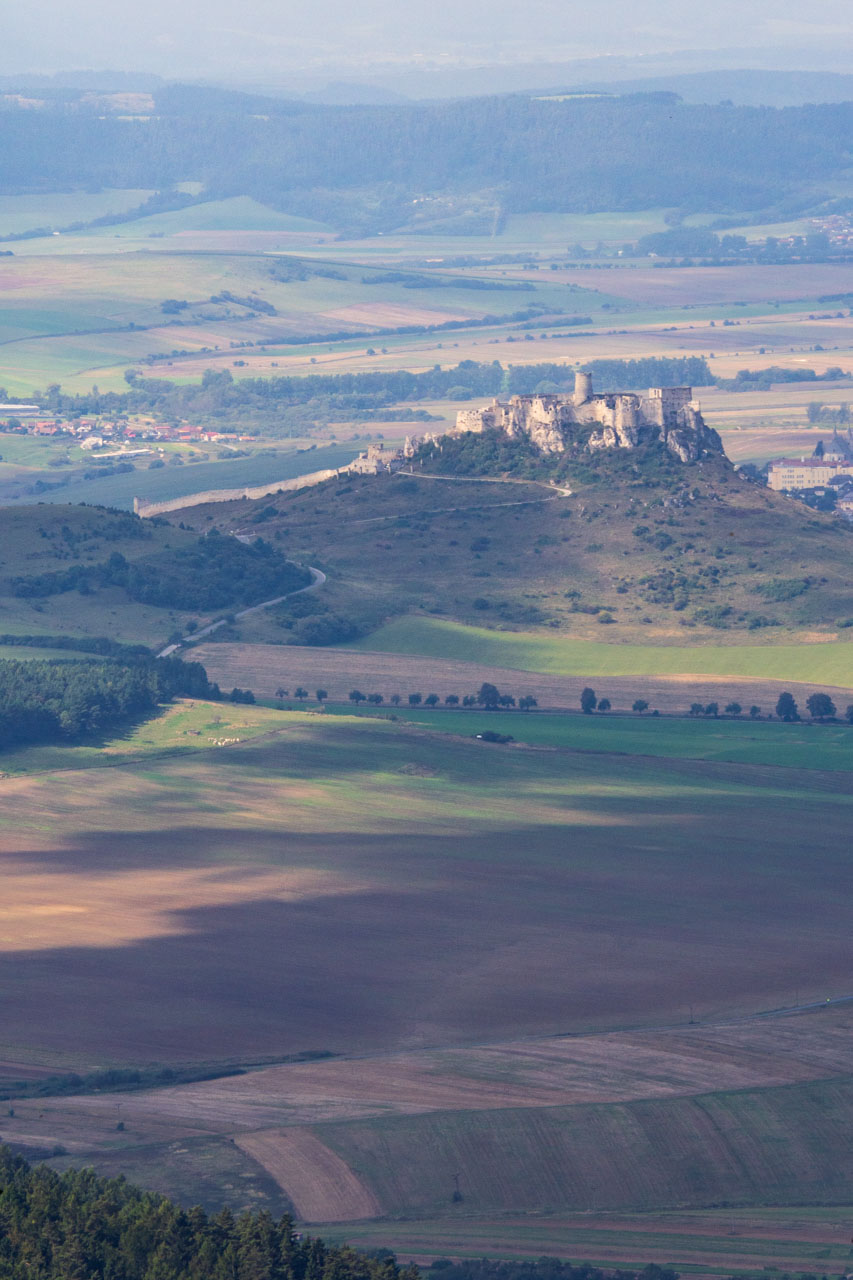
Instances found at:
x=390 y=314
x=264 y=668
x=319 y=1184
x=552 y=1071
x=267 y=1112
x=745 y=445
x=674 y=286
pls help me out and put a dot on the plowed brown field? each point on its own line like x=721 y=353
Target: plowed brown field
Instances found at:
x=319 y=1184
x=263 y=668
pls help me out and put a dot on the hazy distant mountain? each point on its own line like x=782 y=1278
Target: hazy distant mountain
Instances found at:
x=747 y=88
x=344 y=93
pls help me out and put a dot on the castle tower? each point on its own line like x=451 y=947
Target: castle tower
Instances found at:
x=583 y=388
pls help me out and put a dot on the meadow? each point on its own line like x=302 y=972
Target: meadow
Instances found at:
x=55 y=210
x=828 y=663
x=179 y=481
x=739 y=740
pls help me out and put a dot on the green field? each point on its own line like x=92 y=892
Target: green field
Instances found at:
x=827 y=663
x=706 y=1242
x=744 y=1147
x=55 y=210
x=165 y=483
x=178 y=729
x=786 y=745
x=238 y=213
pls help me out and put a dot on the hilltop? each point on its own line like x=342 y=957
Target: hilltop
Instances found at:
x=618 y=545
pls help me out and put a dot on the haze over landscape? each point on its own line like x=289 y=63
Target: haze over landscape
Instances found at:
x=426 y=641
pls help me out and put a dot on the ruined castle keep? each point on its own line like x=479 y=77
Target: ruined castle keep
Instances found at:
x=611 y=420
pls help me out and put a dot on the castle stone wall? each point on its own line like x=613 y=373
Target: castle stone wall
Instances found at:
x=145 y=509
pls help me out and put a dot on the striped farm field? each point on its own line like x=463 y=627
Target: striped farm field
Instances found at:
x=826 y=663
x=745 y=1146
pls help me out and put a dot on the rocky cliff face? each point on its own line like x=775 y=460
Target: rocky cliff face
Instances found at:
x=589 y=422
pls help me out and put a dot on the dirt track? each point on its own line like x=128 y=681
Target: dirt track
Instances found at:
x=264 y=668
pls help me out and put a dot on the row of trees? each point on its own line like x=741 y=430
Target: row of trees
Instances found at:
x=265 y=400
x=819 y=706
x=488 y=697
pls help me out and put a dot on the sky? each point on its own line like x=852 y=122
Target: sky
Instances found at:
x=259 y=40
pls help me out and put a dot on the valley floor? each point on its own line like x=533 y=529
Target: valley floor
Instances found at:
x=577 y=983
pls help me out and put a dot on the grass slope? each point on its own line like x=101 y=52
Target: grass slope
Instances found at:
x=749 y=1146
x=49 y=538
x=667 y=555
x=828 y=663
x=789 y=746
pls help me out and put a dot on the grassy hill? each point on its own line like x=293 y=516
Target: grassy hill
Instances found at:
x=744 y=1146
x=94 y=571
x=643 y=551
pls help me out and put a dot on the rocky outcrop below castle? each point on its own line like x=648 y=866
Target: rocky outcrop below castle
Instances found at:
x=592 y=422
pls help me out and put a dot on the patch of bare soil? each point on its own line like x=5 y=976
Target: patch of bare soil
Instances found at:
x=320 y=1185
x=265 y=668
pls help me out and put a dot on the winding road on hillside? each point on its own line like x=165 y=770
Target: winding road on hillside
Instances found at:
x=555 y=493
x=317 y=580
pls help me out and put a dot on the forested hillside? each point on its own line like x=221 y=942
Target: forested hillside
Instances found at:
x=635 y=152
x=64 y=701
x=54 y=1227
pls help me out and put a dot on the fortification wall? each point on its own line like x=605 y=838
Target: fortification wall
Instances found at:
x=144 y=509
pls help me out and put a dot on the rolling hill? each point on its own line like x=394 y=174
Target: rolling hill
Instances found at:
x=77 y=571
x=618 y=548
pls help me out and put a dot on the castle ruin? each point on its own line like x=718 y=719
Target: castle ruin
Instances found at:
x=376 y=460
x=557 y=423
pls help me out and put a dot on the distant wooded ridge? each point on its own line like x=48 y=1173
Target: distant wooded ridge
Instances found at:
x=219 y=394
x=634 y=152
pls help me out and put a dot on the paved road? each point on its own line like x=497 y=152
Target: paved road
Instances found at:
x=317 y=580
